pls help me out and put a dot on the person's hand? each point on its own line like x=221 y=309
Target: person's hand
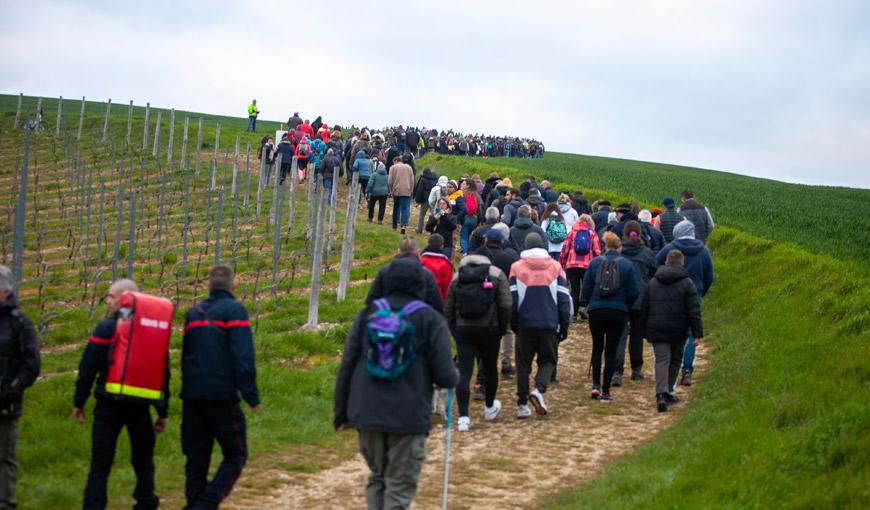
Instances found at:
x=343 y=426
x=697 y=341
x=160 y=425
x=255 y=409
x=79 y=414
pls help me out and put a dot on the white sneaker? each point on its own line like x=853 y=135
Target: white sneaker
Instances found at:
x=537 y=400
x=523 y=412
x=464 y=424
x=491 y=413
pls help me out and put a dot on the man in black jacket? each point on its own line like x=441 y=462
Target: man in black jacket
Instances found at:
x=217 y=366
x=476 y=239
x=19 y=366
x=670 y=307
x=110 y=416
x=424 y=186
x=393 y=417
x=502 y=257
x=600 y=216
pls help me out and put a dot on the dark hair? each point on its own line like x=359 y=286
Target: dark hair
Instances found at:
x=408 y=246
x=553 y=208
x=435 y=241
x=675 y=258
x=220 y=277
x=635 y=208
x=687 y=193
x=632 y=227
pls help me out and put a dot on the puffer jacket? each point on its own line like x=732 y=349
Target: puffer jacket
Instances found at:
x=666 y=223
x=644 y=265
x=19 y=355
x=444 y=226
x=569 y=258
x=700 y=216
x=541 y=300
x=498 y=317
x=628 y=289
x=424 y=186
x=441 y=268
x=670 y=306
x=377 y=186
x=362 y=165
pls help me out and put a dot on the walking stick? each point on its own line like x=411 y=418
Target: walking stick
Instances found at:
x=447 y=448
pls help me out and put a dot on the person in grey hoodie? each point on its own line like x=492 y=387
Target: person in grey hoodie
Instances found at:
x=393 y=417
x=699 y=265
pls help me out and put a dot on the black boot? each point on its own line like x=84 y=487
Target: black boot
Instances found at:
x=661 y=403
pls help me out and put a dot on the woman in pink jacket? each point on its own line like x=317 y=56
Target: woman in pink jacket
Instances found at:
x=578 y=250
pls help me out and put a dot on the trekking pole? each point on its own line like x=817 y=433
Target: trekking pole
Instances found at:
x=447 y=449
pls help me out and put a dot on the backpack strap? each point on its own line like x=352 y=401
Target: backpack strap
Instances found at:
x=414 y=306
x=382 y=304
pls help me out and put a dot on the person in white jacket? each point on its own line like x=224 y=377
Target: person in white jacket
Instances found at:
x=439 y=190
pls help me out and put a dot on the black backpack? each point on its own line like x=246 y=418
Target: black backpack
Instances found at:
x=607 y=278
x=476 y=292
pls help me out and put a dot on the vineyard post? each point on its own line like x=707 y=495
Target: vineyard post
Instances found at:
x=235 y=226
x=120 y=206
x=217 y=142
x=142 y=193
x=184 y=158
x=277 y=204
x=161 y=200
x=171 y=142
x=145 y=128
x=209 y=192
x=247 y=175
x=129 y=121
x=347 y=241
x=39 y=118
x=18 y=111
x=88 y=214
x=198 y=146
x=312 y=207
x=156 y=149
x=316 y=260
x=20 y=211
x=186 y=223
x=101 y=234
x=294 y=177
x=333 y=196
x=81 y=119
x=234 y=187
x=59 y=114
x=220 y=211
x=106 y=121
x=131 y=249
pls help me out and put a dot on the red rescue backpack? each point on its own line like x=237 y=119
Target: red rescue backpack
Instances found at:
x=140 y=348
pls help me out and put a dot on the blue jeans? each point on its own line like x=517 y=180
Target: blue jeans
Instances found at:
x=689 y=352
x=401 y=206
x=252 y=124
x=467 y=227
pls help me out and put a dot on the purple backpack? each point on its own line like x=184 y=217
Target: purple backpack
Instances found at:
x=389 y=346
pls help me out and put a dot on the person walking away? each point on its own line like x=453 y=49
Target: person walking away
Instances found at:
x=610 y=288
x=444 y=223
x=472 y=202
x=112 y=415
x=217 y=367
x=401 y=183
x=579 y=249
x=303 y=155
x=668 y=219
x=363 y=165
x=699 y=265
x=636 y=251
x=548 y=193
x=478 y=310
x=19 y=368
x=477 y=238
x=601 y=216
x=434 y=259
x=266 y=154
x=425 y=184
x=294 y=121
x=698 y=214
x=325 y=169
x=540 y=318
x=391 y=409
x=408 y=256
x=252 y=116
x=377 y=190
x=653 y=235
x=285 y=150
x=524 y=226
x=496 y=249
x=555 y=230
x=670 y=307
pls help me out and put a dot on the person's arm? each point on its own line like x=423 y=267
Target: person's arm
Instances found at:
x=708 y=271
x=451 y=221
x=433 y=295
x=505 y=302
x=564 y=304
x=662 y=255
x=693 y=311
x=162 y=406
x=632 y=290
x=349 y=360
x=28 y=369
x=450 y=307
x=644 y=312
x=93 y=361
x=589 y=281
x=431 y=223
x=241 y=342
x=710 y=224
x=441 y=366
x=515 y=298
x=566 y=247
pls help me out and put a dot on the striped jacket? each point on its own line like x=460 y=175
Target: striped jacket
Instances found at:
x=218 y=351
x=541 y=300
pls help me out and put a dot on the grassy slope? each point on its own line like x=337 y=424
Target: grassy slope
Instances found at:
x=782 y=418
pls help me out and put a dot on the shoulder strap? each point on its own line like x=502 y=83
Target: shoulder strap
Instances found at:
x=414 y=306
x=382 y=304
x=211 y=323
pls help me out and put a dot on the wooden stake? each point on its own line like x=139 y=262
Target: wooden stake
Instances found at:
x=106 y=121
x=59 y=113
x=317 y=259
x=145 y=129
x=18 y=114
x=217 y=143
x=333 y=195
x=129 y=121
x=155 y=150
x=198 y=146
x=171 y=142
x=81 y=119
x=20 y=212
x=39 y=119
x=348 y=240
x=247 y=175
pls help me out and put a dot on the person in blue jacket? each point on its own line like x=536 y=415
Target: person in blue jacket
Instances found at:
x=699 y=265
x=608 y=314
x=217 y=366
x=363 y=165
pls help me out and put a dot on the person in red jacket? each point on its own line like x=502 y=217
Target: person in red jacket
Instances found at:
x=307 y=129
x=576 y=256
x=303 y=155
x=434 y=259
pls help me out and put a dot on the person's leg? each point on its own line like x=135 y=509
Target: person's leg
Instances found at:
x=545 y=346
x=662 y=352
x=525 y=353
x=104 y=436
x=689 y=354
x=619 y=360
x=488 y=347
x=596 y=329
x=635 y=343
x=406 y=211
x=228 y=422
x=142 y=440
x=467 y=227
x=373 y=448
x=382 y=207
x=424 y=208
x=405 y=456
x=466 y=351
x=396 y=212
x=372 y=208
x=8 y=461
x=615 y=325
x=675 y=362
x=507 y=351
x=197 y=439
x=575 y=281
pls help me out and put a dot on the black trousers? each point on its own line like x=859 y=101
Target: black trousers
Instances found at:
x=575 y=280
x=382 y=206
x=632 y=335
x=109 y=418
x=531 y=343
x=203 y=423
x=482 y=344
x=606 y=328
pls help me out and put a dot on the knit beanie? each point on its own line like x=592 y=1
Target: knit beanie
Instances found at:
x=534 y=240
x=684 y=230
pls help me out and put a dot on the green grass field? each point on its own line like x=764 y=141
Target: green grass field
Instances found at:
x=782 y=419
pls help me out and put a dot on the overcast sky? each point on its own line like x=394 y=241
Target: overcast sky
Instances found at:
x=778 y=89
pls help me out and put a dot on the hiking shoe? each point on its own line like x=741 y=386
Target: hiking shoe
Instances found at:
x=491 y=413
x=507 y=372
x=671 y=398
x=686 y=379
x=637 y=375
x=606 y=398
x=584 y=316
x=463 y=424
x=596 y=392
x=537 y=401
x=478 y=392
x=616 y=380
x=523 y=411
x=403 y=230
x=661 y=403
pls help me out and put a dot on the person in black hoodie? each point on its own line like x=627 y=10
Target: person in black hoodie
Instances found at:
x=476 y=239
x=443 y=222
x=502 y=257
x=110 y=416
x=217 y=366
x=428 y=179
x=393 y=417
x=635 y=250
x=670 y=307
x=488 y=186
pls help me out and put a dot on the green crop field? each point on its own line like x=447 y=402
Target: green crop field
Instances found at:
x=781 y=420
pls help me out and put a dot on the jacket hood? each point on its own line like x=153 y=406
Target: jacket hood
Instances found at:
x=534 y=199
x=669 y=275
x=404 y=276
x=580 y=225
x=361 y=155
x=427 y=172
x=537 y=258
x=565 y=208
x=474 y=260
x=381 y=170
x=631 y=248
x=11 y=301
x=523 y=223
x=688 y=246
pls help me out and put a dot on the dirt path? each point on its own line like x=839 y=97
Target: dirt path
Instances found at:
x=497 y=465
